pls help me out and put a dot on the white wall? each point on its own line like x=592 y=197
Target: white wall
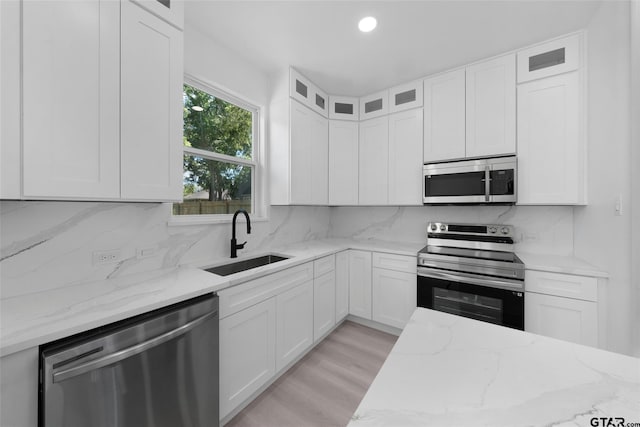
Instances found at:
x=601 y=237
x=635 y=171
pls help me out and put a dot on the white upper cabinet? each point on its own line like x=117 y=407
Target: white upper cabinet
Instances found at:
x=491 y=107
x=343 y=162
x=551 y=143
x=151 y=137
x=344 y=108
x=100 y=120
x=307 y=93
x=171 y=11
x=551 y=58
x=373 y=156
x=405 y=158
x=10 y=102
x=405 y=97
x=444 y=116
x=71 y=86
x=309 y=156
x=374 y=105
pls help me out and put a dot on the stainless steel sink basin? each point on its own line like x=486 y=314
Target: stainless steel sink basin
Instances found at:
x=244 y=265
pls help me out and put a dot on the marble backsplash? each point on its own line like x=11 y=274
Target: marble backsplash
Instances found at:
x=539 y=229
x=46 y=245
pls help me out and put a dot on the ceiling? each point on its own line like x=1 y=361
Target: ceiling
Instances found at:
x=413 y=38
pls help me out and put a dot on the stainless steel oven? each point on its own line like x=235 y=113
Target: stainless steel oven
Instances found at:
x=480 y=181
x=470 y=270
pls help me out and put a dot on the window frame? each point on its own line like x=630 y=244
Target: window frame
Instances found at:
x=258 y=206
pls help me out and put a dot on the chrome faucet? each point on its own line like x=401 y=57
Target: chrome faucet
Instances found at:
x=234 y=245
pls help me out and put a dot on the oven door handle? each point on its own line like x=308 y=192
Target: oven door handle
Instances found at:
x=494 y=282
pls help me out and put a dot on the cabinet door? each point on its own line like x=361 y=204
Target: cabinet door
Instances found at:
x=563 y=318
x=405 y=158
x=309 y=156
x=360 y=284
x=373 y=170
x=491 y=107
x=405 y=97
x=444 y=117
x=71 y=69
x=171 y=11
x=551 y=58
x=247 y=353
x=324 y=304
x=343 y=108
x=342 y=285
x=550 y=141
x=19 y=389
x=394 y=297
x=343 y=163
x=10 y=102
x=294 y=333
x=374 y=105
x=151 y=107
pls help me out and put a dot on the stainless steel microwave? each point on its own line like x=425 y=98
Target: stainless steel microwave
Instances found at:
x=479 y=181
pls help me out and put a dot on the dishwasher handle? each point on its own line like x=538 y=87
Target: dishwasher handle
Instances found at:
x=131 y=351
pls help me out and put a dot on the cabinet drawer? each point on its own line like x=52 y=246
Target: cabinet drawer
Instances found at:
x=324 y=265
x=563 y=285
x=374 y=105
x=394 y=262
x=343 y=108
x=405 y=97
x=548 y=59
x=247 y=294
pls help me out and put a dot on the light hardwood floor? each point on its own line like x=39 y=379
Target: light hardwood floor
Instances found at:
x=325 y=387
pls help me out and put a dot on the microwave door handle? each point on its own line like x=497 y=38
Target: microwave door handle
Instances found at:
x=487 y=183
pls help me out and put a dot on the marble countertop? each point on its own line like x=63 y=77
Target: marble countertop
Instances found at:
x=560 y=264
x=30 y=320
x=33 y=319
x=448 y=370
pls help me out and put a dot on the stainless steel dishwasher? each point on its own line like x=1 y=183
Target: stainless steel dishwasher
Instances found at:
x=159 y=369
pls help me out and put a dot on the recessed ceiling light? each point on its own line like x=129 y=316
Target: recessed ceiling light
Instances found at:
x=197 y=108
x=367 y=24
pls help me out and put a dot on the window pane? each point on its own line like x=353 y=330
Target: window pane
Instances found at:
x=214 y=124
x=213 y=187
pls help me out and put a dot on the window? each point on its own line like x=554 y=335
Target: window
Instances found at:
x=220 y=139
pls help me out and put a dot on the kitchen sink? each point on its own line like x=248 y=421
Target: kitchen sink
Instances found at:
x=244 y=265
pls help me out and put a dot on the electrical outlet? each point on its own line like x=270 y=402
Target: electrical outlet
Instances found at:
x=106 y=257
x=147 y=252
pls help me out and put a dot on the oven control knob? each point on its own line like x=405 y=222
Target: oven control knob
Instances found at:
x=443 y=227
x=492 y=229
x=434 y=227
x=505 y=230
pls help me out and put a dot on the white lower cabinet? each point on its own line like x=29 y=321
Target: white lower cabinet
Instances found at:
x=294 y=332
x=324 y=304
x=360 y=283
x=563 y=318
x=563 y=306
x=19 y=389
x=247 y=353
x=393 y=288
x=342 y=285
x=394 y=297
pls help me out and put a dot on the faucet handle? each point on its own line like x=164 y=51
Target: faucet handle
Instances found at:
x=241 y=245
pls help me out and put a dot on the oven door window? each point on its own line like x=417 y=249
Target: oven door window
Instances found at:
x=499 y=306
x=454 y=184
x=465 y=304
